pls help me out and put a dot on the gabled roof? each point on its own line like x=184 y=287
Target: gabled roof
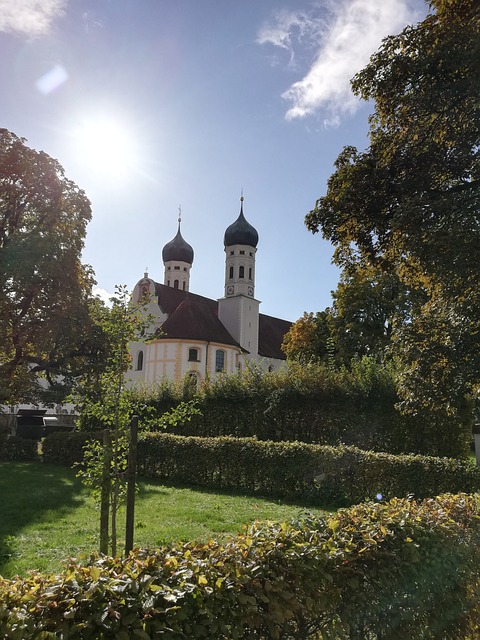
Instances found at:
x=271 y=332
x=196 y=320
x=195 y=317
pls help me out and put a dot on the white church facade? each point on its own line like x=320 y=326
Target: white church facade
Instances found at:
x=198 y=336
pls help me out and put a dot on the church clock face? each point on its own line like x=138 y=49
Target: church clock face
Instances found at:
x=250 y=291
x=230 y=290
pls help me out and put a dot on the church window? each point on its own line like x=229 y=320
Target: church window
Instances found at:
x=242 y=253
x=232 y=253
x=168 y=283
x=177 y=268
x=184 y=285
x=175 y=284
x=241 y=272
x=230 y=273
x=219 y=360
x=184 y=268
x=140 y=361
x=250 y=273
x=251 y=254
x=168 y=268
x=193 y=355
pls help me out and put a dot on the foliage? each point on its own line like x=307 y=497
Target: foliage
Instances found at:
x=409 y=205
x=298 y=471
x=312 y=403
x=103 y=402
x=368 y=308
x=14 y=448
x=402 y=569
x=44 y=288
x=67 y=449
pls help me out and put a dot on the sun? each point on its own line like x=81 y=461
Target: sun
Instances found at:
x=106 y=145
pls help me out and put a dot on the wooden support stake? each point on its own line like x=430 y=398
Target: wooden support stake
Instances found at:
x=105 y=491
x=131 y=484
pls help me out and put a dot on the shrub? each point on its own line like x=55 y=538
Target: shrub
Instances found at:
x=312 y=404
x=375 y=571
x=18 y=449
x=295 y=470
x=67 y=448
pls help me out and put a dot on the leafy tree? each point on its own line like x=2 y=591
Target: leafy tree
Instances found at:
x=368 y=306
x=410 y=204
x=44 y=288
x=309 y=337
x=103 y=401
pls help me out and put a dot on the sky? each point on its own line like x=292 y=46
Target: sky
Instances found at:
x=155 y=105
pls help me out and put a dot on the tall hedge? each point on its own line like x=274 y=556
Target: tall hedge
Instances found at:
x=372 y=572
x=312 y=404
x=299 y=471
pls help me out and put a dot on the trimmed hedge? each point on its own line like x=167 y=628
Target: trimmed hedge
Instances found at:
x=67 y=448
x=313 y=404
x=293 y=470
x=17 y=449
x=372 y=572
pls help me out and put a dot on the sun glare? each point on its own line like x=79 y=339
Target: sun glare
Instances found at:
x=106 y=146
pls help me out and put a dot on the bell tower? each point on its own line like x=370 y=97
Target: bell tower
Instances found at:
x=178 y=259
x=239 y=310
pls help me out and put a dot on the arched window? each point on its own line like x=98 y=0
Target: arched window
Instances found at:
x=193 y=355
x=241 y=272
x=219 y=360
x=139 y=360
x=184 y=285
x=230 y=273
x=250 y=273
x=175 y=284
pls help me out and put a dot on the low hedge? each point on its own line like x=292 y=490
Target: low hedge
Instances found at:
x=294 y=470
x=17 y=449
x=67 y=448
x=372 y=572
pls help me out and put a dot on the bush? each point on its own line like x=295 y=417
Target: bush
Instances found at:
x=18 y=449
x=67 y=448
x=295 y=470
x=312 y=404
x=375 y=571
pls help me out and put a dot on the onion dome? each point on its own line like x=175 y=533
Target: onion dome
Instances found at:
x=177 y=249
x=241 y=232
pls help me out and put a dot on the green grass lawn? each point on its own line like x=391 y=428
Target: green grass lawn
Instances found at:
x=46 y=516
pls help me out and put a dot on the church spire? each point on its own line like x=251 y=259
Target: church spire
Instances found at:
x=178 y=258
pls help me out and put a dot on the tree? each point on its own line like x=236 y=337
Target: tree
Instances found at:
x=410 y=204
x=368 y=306
x=309 y=337
x=44 y=288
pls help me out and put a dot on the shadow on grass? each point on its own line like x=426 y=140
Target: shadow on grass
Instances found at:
x=150 y=485
x=29 y=491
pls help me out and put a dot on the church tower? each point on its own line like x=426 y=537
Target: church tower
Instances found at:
x=239 y=310
x=178 y=259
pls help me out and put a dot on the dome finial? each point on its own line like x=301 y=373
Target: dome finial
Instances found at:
x=179 y=214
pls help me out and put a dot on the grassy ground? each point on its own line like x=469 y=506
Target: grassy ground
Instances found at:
x=46 y=516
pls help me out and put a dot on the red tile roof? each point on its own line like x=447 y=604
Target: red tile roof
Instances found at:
x=195 y=317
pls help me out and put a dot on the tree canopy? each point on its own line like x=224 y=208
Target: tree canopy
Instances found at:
x=44 y=288
x=409 y=205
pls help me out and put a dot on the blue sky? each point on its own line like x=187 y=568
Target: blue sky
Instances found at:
x=152 y=104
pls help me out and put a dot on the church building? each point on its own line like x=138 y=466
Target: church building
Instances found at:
x=200 y=337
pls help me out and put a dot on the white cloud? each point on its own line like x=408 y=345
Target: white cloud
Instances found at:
x=29 y=17
x=345 y=41
x=104 y=295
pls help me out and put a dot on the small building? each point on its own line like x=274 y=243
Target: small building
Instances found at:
x=198 y=336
